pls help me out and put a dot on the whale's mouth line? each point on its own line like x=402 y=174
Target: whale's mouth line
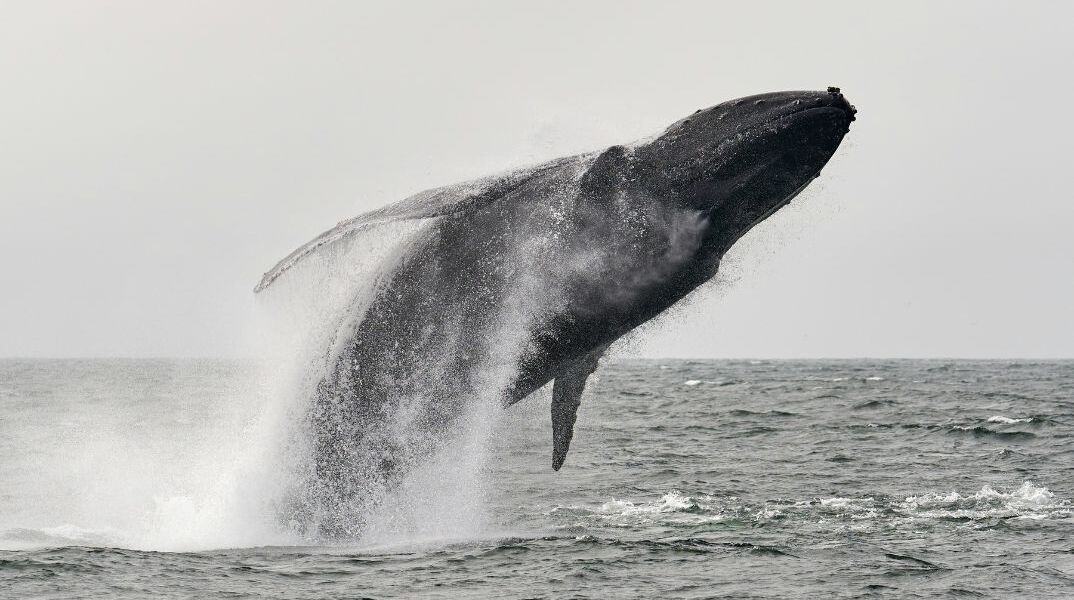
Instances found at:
x=779 y=205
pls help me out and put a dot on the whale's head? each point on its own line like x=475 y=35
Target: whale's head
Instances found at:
x=740 y=161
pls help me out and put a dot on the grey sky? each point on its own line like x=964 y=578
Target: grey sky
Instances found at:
x=158 y=157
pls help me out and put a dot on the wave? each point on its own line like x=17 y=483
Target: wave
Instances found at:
x=741 y=412
x=672 y=506
x=982 y=431
x=988 y=507
x=1007 y=420
x=676 y=509
x=669 y=502
x=24 y=538
x=715 y=382
x=999 y=429
x=874 y=404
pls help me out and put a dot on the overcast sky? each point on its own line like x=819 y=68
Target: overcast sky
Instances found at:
x=156 y=158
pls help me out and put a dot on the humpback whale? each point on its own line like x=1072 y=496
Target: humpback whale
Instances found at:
x=526 y=278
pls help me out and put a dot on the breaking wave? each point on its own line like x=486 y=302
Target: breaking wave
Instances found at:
x=676 y=508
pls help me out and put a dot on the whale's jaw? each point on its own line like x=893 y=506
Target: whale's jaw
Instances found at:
x=739 y=162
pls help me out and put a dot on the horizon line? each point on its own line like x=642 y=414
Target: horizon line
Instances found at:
x=612 y=358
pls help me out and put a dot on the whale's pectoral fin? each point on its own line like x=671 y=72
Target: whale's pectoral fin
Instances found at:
x=566 y=398
x=430 y=204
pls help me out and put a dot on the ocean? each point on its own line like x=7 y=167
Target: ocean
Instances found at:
x=685 y=479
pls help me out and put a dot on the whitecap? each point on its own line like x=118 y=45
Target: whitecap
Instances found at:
x=847 y=504
x=669 y=502
x=676 y=501
x=1026 y=501
x=769 y=513
x=1026 y=496
x=693 y=382
x=1008 y=420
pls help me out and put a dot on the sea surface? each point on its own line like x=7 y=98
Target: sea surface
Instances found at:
x=686 y=479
